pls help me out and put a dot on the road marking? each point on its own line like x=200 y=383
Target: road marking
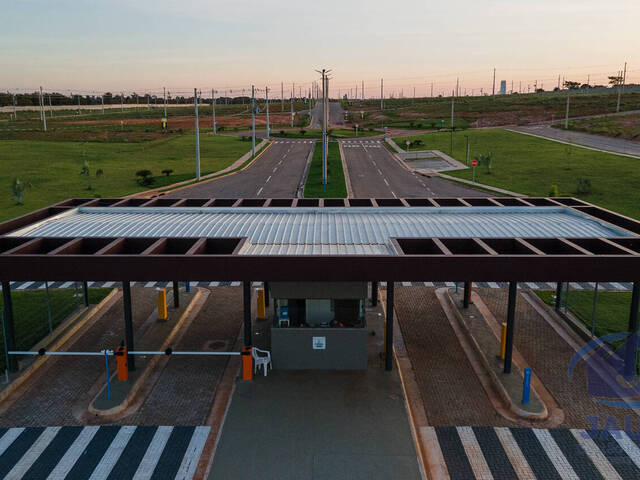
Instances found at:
x=511 y=448
x=31 y=455
x=274 y=170
x=8 y=438
x=385 y=181
x=259 y=191
x=394 y=195
x=192 y=455
x=268 y=179
x=72 y=455
x=474 y=453
x=629 y=447
x=25 y=285
x=380 y=171
x=111 y=456
x=152 y=455
x=595 y=454
x=555 y=454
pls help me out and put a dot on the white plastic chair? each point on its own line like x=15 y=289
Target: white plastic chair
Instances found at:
x=261 y=357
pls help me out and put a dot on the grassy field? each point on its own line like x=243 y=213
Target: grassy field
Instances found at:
x=53 y=168
x=30 y=313
x=336 y=186
x=485 y=111
x=531 y=165
x=624 y=126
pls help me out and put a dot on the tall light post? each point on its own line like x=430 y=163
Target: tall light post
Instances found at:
x=164 y=96
x=452 y=107
x=325 y=110
x=213 y=111
x=195 y=104
x=266 y=95
x=253 y=122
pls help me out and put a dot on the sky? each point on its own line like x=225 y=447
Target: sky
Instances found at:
x=143 y=45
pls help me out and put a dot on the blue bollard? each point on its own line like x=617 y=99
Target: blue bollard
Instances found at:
x=526 y=386
x=187 y=287
x=106 y=363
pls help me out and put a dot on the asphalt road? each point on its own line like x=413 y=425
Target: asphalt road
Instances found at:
x=277 y=173
x=336 y=115
x=613 y=145
x=374 y=172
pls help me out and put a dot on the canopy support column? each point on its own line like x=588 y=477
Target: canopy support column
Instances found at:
x=630 y=359
x=266 y=294
x=128 y=324
x=374 y=293
x=176 y=294
x=9 y=330
x=388 y=340
x=246 y=297
x=558 y=302
x=511 y=314
x=467 y=295
x=85 y=293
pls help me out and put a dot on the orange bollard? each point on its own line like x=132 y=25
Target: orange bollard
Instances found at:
x=121 y=363
x=162 y=304
x=247 y=364
x=503 y=341
x=262 y=311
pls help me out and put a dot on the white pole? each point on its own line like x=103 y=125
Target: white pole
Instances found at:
x=44 y=117
x=266 y=94
x=213 y=111
x=50 y=107
x=253 y=122
x=195 y=103
x=381 y=94
x=282 y=96
x=566 y=116
x=291 y=109
x=494 y=82
x=164 y=96
x=15 y=111
x=122 y=101
x=102 y=104
x=621 y=87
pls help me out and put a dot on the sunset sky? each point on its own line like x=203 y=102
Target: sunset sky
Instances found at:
x=144 y=45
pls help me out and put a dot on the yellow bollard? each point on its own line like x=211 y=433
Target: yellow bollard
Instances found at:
x=162 y=304
x=503 y=341
x=262 y=311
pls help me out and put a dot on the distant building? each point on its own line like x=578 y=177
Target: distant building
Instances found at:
x=503 y=87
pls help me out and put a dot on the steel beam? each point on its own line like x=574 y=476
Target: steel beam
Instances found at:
x=266 y=294
x=631 y=351
x=374 y=293
x=558 y=302
x=246 y=297
x=388 y=345
x=467 y=295
x=128 y=323
x=511 y=314
x=9 y=330
x=85 y=293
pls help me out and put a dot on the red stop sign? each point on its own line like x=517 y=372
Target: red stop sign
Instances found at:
x=474 y=163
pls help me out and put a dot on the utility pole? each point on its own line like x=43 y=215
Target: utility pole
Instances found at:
x=362 y=89
x=122 y=101
x=78 y=104
x=457 y=87
x=282 y=96
x=291 y=101
x=621 y=86
x=195 y=104
x=253 y=122
x=15 y=110
x=213 y=111
x=381 y=94
x=566 y=116
x=44 y=117
x=50 y=107
x=558 y=82
x=266 y=94
x=452 y=103
x=356 y=97
x=164 y=97
x=431 y=89
x=102 y=98
x=494 y=82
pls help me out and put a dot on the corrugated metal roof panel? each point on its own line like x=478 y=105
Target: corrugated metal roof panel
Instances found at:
x=322 y=231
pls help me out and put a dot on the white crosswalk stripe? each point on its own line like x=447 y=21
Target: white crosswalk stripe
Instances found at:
x=595 y=454
x=629 y=447
x=517 y=459
x=555 y=454
x=72 y=455
x=194 y=450
x=8 y=438
x=113 y=453
x=152 y=455
x=31 y=455
x=474 y=454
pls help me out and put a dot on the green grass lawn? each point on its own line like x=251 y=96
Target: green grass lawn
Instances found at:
x=336 y=186
x=53 y=168
x=531 y=165
x=30 y=313
x=625 y=126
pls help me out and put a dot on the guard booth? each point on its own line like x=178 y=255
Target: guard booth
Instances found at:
x=319 y=325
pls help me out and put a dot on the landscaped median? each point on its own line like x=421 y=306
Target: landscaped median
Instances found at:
x=533 y=166
x=336 y=186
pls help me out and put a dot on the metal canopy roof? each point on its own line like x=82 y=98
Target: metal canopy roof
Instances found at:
x=355 y=239
x=322 y=230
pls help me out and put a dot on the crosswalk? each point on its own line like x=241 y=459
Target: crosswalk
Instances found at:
x=606 y=286
x=361 y=143
x=294 y=141
x=526 y=453
x=101 y=452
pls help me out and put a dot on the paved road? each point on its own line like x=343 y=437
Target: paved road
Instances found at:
x=614 y=145
x=336 y=115
x=374 y=172
x=277 y=173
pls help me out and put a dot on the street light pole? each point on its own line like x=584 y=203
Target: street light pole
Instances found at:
x=253 y=122
x=452 y=103
x=266 y=94
x=195 y=103
x=213 y=111
x=164 y=96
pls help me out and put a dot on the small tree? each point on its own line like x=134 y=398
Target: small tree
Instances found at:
x=18 y=188
x=167 y=171
x=86 y=173
x=584 y=186
x=302 y=131
x=146 y=177
x=485 y=159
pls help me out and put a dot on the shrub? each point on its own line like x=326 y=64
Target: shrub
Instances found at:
x=554 y=191
x=146 y=177
x=485 y=159
x=303 y=131
x=18 y=188
x=584 y=186
x=167 y=171
x=220 y=127
x=283 y=133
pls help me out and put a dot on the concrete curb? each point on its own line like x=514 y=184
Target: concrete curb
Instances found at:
x=551 y=417
x=345 y=170
x=176 y=333
x=307 y=167
x=260 y=148
x=481 y=185
x=91 y=316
